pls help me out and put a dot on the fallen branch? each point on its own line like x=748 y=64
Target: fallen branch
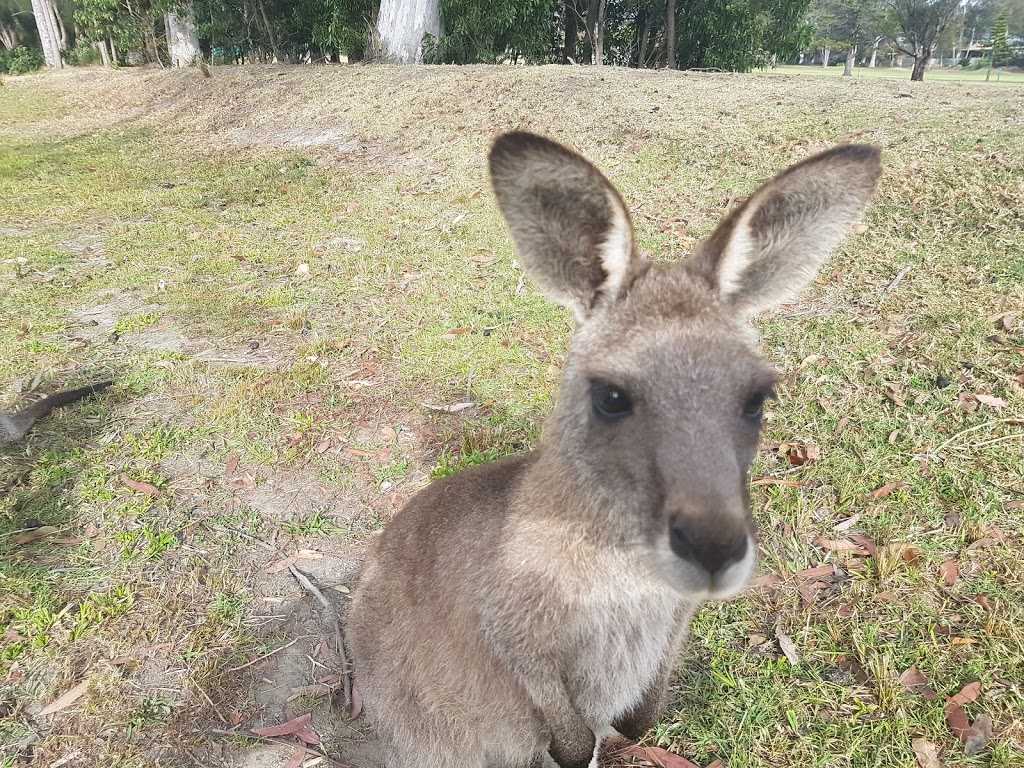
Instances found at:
x=332 y=616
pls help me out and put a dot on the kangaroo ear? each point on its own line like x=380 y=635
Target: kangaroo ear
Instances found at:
x=766 y=250
x=571 y=229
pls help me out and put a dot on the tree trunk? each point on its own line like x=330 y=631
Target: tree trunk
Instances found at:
x=571 y=32
x=645 y=37
x=591 y=25
x=401 y=27
x=182 y=38
x=850 y=55
x=9 y=37
x=49 y=37
x=599 y=37
x=270 y=30
x=874 y=52
x=920 y=62
x=60 y=26
x=826 y=54
x=670 y=33
x=102 y=46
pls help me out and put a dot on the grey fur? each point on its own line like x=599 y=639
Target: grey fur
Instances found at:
x=14 y=426
x=517 y=613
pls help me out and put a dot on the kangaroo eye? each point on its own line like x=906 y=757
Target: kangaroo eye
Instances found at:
x=753 y=408
x=610 y=402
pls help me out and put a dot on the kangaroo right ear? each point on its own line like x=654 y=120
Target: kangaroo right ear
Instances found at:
x=571 y=229
x=766 y=250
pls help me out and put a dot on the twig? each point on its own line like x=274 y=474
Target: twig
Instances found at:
x=210 y=702
x=332 y=615
x=237 y=532
x=265 y=655
x=975 y=428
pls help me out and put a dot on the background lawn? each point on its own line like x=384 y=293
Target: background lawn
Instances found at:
x=284 y=267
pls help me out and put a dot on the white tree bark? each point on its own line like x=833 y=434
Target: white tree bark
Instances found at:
x=101 y=46
x=49 y=36
x=182 y=38
x=401 y=27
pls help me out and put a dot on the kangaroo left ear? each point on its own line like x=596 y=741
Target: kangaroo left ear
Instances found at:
x=768 y=249
x=571 y=229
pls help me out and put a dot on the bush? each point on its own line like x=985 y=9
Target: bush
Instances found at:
x=83 y=54
x=21 y=60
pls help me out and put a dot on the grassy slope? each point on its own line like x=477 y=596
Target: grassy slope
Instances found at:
x=182 y=207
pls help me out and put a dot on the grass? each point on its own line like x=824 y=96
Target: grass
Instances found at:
x=275 y=408
x=934 y=74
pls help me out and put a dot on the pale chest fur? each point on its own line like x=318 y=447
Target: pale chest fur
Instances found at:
x=614 y=624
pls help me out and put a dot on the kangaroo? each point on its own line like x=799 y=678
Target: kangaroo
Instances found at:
x=518 y=613
x=14 y=426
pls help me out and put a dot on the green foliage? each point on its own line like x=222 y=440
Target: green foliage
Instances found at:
x=740 y=35
x=21 y=60
x=492 y=31
x=999 y=37
x=83 y=54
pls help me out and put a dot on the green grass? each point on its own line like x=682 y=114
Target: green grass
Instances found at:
x=265 y=403
x=934 y=74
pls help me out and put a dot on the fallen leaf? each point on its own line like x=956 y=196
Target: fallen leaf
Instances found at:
x=885 y=490
x=860 y=229
x=957 y=719
x=914 y=681
x=949 y=573
x=788 y=647
x=302 y=554
x=838 y=545
x=652 y=756
x=926 y=755
x=864 y=541
x=285 y=729
x=297 y=759
x=775 y=481
x=911 y=555
x=809 y=589
x=981 y=735
x=308 y=736
x=768 y=580
x=235 y=718
x=968 y=693
x=983 y=602
x=847 y=524
x=232 y=465
x=989 y=400
x=963 y=641
x=388 y=433
x=42 y=532
x=141 y=487
x=66 y=700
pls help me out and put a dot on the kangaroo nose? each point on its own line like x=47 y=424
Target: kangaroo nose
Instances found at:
x=713 y=550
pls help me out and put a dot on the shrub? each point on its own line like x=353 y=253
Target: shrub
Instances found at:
x=83 y=54
x=21 y=60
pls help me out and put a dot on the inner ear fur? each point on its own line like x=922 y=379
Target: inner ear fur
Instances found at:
x=571 y=228
x=768 y=249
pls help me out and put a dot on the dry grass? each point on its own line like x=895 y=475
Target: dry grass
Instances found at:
x=175 y=210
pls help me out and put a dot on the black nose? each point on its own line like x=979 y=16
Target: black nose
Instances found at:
x=707 y=548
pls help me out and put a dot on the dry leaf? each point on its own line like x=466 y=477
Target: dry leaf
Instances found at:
x=768 y=580
x=863 y=541
x=981 y=735
x=42 y=532
x=308 y=736
x=914 y=681
x=926 y=755
x=949 y=572
x=297 y=759
x=141 y=487
x=65 y=701
x=454 y=408
x=983 y=602
x=838 y=545
x=968 y=693
x=232 y=465
x=788 y=647
x=775 y=481
x=860 y=229
x=994 y=402
x=847 y=524
x=292 y=726
x=885 y=490
x=957 y=719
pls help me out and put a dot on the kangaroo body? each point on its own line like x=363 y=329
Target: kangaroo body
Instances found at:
x=14 y=426
x=516 y=614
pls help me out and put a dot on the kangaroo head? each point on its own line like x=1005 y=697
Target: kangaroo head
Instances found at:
x=660 y=406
